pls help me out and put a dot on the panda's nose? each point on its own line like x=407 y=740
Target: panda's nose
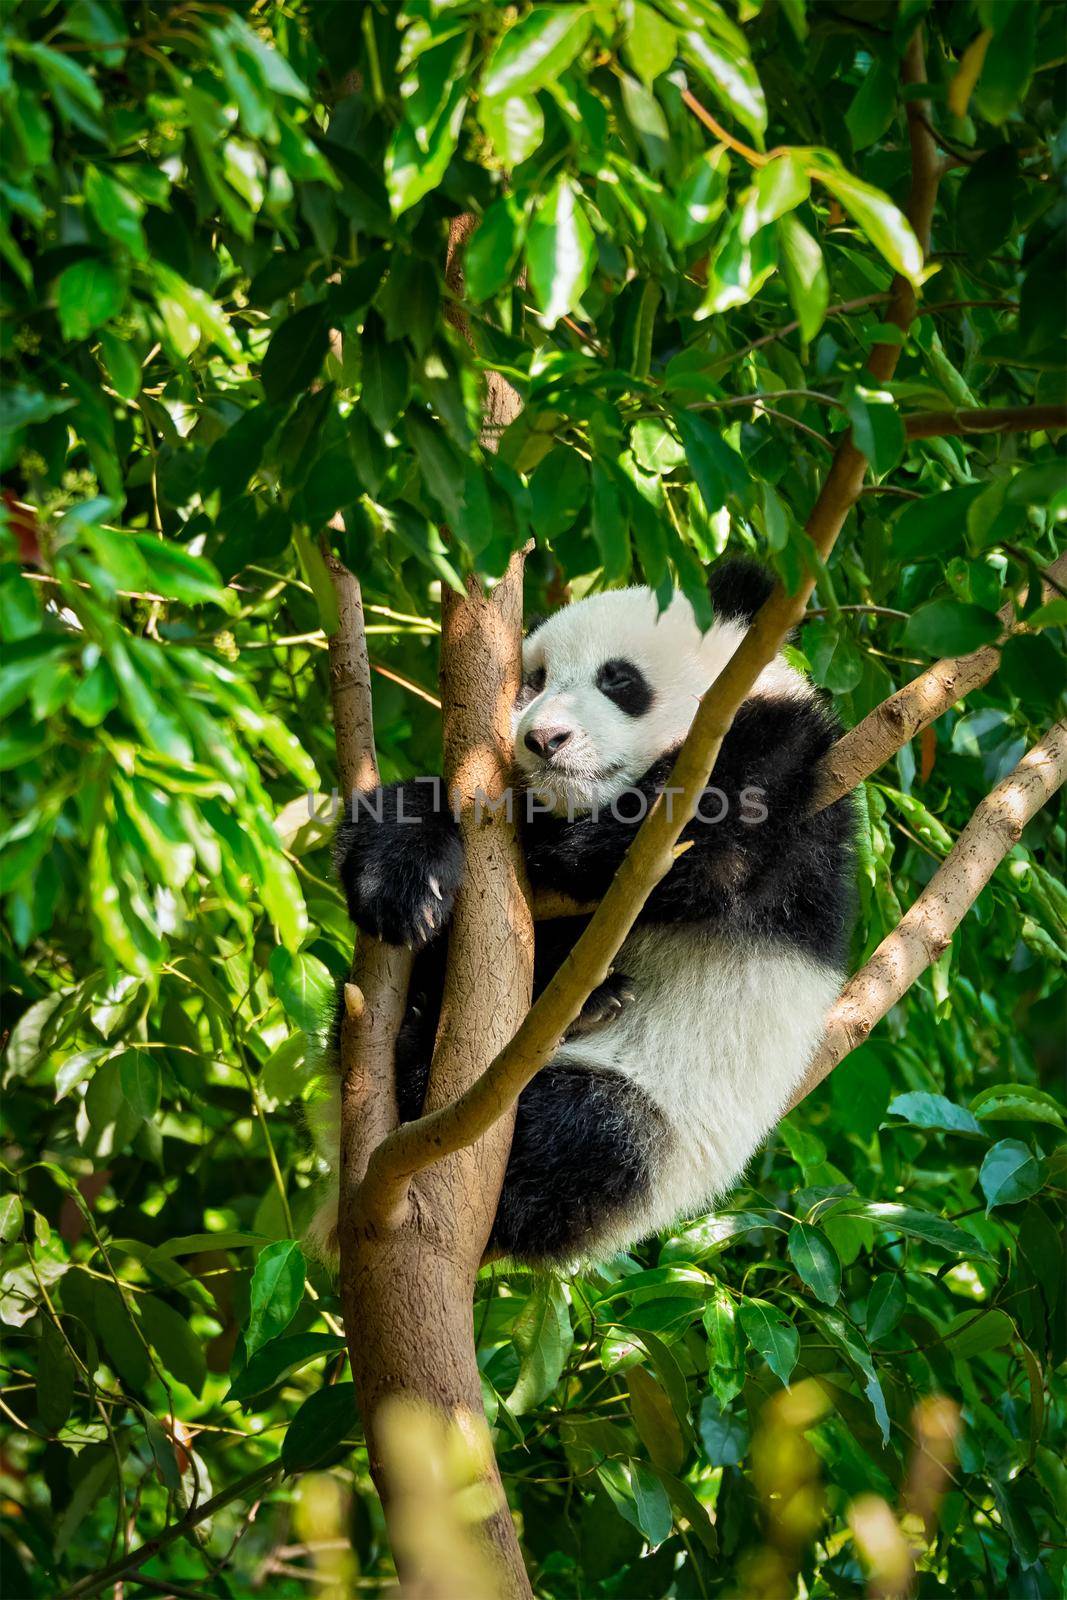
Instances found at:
x=544 y=742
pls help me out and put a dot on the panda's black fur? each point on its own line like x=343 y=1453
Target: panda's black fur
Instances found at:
x=681 y=1062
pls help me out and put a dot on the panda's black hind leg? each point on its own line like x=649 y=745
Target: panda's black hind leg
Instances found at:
x=583 y=1152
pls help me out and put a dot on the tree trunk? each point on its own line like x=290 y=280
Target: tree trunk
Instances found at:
x=408 y=1279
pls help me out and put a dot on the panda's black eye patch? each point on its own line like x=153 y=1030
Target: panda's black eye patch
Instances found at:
x=532 y=684
x=626 y=686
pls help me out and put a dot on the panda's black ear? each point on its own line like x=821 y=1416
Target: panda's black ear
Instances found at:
x=532 y=625
x=738 y=586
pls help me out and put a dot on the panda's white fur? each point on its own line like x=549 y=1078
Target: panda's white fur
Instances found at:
x=727 y=1007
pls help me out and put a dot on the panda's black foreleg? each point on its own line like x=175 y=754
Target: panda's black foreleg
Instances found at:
x=400 y=859
x=583 y=1153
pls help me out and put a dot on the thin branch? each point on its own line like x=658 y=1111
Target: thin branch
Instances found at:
x=754 y=157
x=988 y=419
x=94 y=1583
x=872 y=742
x=926 y=930
x=451 y=1127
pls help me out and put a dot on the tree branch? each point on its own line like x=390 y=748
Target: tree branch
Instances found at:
x=94 y=1583
x=988 y=419
x=871 y=743
x=451 y=1127
x=376 y=993
x=926 y=929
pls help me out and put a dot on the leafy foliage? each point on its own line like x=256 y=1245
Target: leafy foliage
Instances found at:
x=227 y=350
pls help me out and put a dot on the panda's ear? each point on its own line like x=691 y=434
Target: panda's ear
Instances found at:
x=532 y=625
x=738 y=586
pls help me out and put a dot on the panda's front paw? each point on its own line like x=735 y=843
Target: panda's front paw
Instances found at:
x=400 y=882
x=606 y=1002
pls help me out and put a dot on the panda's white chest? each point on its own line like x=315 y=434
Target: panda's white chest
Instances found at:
x=717 y=1036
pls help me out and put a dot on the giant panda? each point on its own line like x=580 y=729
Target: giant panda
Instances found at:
x=683 y=1060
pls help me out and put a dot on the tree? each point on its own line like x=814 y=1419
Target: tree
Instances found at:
x=309 y=294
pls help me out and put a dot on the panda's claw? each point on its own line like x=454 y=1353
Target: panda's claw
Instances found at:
x=608 y=1001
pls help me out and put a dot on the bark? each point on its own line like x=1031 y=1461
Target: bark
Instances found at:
x=926 y=929
x=990 y=419
x=867 y=746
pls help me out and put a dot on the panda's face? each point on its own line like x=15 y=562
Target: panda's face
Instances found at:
x=609 y=686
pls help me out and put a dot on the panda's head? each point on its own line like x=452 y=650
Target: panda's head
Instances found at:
x=610 y=684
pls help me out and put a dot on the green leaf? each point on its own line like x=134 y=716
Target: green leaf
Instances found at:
x=177 y=1346
x=560 y=251
x=934 y=525
x=816 y=1261
x=741 y=262
x=121 y=1343
x=655 y=1421
x=950 y=628
x=723 y=1436
x=410 y=171
x=279 y=1360
x=885 y=225
x=781 y=186
x=295 y=354
x=536 y=50
x=770 y=1333
x=876 y=428
x=117 y=210
x=88 y=294
x=971 y=1333
x=490 y=257
x=122 y=363
x=654 y=446
x=1017 y=1102
x=873 y=104
x=516 y=127
x=847 y=1338
x=543 y=1338
x=917 y=1224
x=924 y=1110
x=886 y=1304
x=326 y=1426
x=701 y=197
x=11 y=1217
x=559 y=488
x=303 y=985
x=718 y=470
x=653 y=1505
x=730 y=76
x=804 y=271
x=650 y=43
x=385 y=376
x=1009 y=1173
x=140 y=1080
x=275 y=1294
x=608 y=525
x=92 y=1477
x=55 y=1378
x=646 y=118
x=1008 y=65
